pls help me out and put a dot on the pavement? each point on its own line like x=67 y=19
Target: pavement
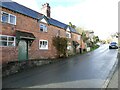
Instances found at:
x=114 y=81
x=89 y=70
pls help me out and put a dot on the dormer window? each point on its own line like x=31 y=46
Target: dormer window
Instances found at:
x=68 y=35
x=43 y=28
x=8 y=18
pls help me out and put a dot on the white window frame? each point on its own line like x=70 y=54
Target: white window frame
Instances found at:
x=43 y=48
x=15 y=19
x=14 y=42
x=69 y=47
x=8 y=18
x=44 y=28
x=69 y=35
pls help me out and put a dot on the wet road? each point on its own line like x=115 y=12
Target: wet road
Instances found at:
x=83 y=71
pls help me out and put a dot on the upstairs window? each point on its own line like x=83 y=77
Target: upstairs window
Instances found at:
x=5 y=17
x=43 y=28
x=68 y=35
x=7 y=40
x=8 y=18
x=12 y=19
x=43 y=44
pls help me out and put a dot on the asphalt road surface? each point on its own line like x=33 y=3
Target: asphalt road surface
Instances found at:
x=82 y=71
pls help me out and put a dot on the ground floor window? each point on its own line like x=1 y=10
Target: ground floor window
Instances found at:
x=69 y=47
x=6 y=40
x=43 y=44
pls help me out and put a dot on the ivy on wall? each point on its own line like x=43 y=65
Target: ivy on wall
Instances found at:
x=60 y=44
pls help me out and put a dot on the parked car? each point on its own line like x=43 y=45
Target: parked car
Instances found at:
x=113 y=45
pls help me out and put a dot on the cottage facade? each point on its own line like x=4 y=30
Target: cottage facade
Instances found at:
x=27 y=34
x=74 y=40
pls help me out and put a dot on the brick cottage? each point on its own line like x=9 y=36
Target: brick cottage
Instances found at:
x=27 y=34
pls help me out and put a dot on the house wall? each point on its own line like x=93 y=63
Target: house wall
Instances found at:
x=51 y=52
x=27 y=24
x=83 y=44
x=75 y=38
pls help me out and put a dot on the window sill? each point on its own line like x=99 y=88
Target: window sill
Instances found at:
x=43 y=49
x=7 y=46
x=43 y=32
x=9 y=23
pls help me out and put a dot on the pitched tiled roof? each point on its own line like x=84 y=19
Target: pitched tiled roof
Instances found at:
x=31 y=13
x=53 y=22
x=57 y=23
x=73 y=30
x=20 y=9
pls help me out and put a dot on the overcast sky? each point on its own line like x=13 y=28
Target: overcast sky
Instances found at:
x=101 y=16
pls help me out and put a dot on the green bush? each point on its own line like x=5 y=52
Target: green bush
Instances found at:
x=60 y=44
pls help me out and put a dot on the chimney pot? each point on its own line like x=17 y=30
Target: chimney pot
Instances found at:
x=46 y=9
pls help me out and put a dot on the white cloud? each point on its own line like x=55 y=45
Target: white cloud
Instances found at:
x=98 y=15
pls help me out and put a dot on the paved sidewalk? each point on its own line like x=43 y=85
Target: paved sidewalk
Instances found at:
x=113 y=84
x=114 y=81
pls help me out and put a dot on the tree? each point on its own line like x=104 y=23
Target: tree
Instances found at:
x=84 y=37
x=73 y=26
x=115 y=35
x=95 y=39
x=79 y=29
x=83 y=33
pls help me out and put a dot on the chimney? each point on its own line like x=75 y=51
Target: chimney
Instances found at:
x=46 y=9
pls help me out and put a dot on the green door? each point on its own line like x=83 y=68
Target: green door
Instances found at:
x=23 y=50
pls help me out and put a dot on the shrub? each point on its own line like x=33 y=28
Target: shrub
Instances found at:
x=60 y=44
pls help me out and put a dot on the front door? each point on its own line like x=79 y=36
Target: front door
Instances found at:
x=23 y=50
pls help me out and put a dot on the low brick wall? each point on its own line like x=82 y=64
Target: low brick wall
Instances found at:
x=15 y=66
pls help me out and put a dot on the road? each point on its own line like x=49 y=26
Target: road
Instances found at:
x=82 y=71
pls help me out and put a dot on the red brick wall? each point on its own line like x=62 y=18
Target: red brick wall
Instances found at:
x=9 y=54
x=51 y=52
x=75 y=38
x=27 y=24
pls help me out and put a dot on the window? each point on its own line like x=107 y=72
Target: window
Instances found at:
x=68 y=35
x=5 y=17
x=12 y=19
x=69 y=47
x=7 y=40
x=8 y=18
x=78 y=37
x=43 y=44
x=43 y=28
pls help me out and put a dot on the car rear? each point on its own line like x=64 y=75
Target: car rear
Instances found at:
x=113 y=45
